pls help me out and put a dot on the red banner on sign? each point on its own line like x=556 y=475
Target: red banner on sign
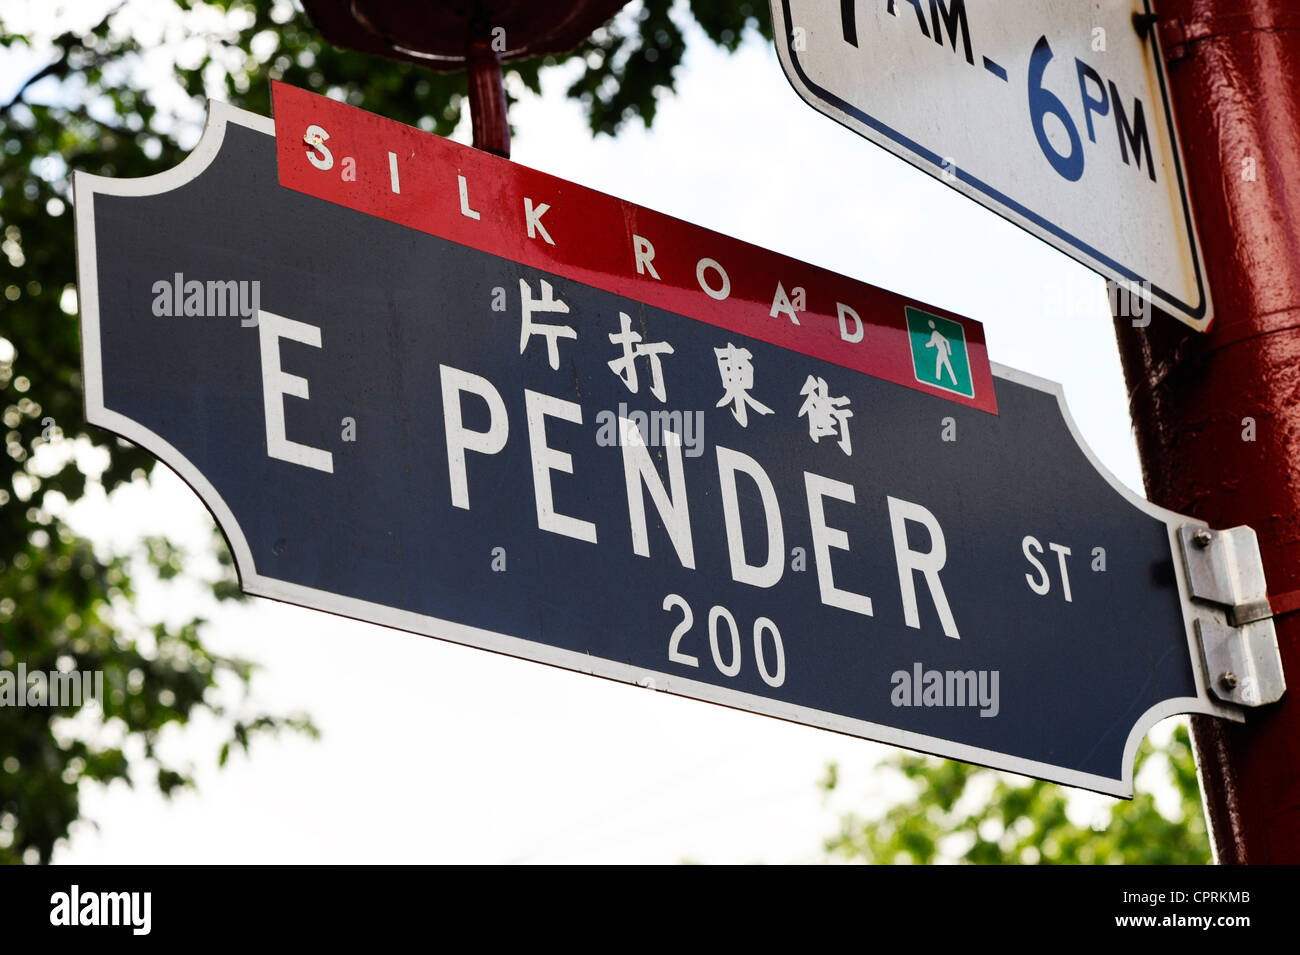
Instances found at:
x=399 y=173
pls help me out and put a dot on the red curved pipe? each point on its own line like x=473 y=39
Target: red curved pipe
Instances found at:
x=1234 y=74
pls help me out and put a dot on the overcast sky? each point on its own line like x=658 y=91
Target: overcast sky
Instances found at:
x=437 y=753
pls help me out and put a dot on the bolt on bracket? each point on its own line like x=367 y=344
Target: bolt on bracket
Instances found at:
x=1240 y=653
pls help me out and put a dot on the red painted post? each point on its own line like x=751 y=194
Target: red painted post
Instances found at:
x=487 y=99
x=1198 y=400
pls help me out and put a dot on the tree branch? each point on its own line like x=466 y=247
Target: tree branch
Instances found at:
x=66 y=43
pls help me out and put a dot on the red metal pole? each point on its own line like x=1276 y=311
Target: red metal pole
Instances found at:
x=487 y=99
x=1234 y=73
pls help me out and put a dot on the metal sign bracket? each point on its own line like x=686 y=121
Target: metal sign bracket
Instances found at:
x=1240 y=650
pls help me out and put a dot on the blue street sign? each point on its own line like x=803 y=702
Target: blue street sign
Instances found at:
x=539 y=461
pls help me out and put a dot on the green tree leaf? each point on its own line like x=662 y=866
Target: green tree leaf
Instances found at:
x=963 y=813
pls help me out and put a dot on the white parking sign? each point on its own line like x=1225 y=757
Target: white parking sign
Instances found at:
x=1053 y=113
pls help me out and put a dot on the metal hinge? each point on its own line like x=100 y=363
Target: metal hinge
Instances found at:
x=1242 y=662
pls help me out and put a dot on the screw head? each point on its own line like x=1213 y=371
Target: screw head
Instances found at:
x=1228 y=680
x=1202 y=537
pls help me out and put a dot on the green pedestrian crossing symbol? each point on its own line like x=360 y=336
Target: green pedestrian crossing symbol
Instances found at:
x=939 y=355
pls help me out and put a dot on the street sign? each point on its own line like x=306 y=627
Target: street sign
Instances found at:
x=429 y=388
x=1052 y=113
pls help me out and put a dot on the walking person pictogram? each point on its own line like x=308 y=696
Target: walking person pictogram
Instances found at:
x=943 y=355
x=944 y=340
